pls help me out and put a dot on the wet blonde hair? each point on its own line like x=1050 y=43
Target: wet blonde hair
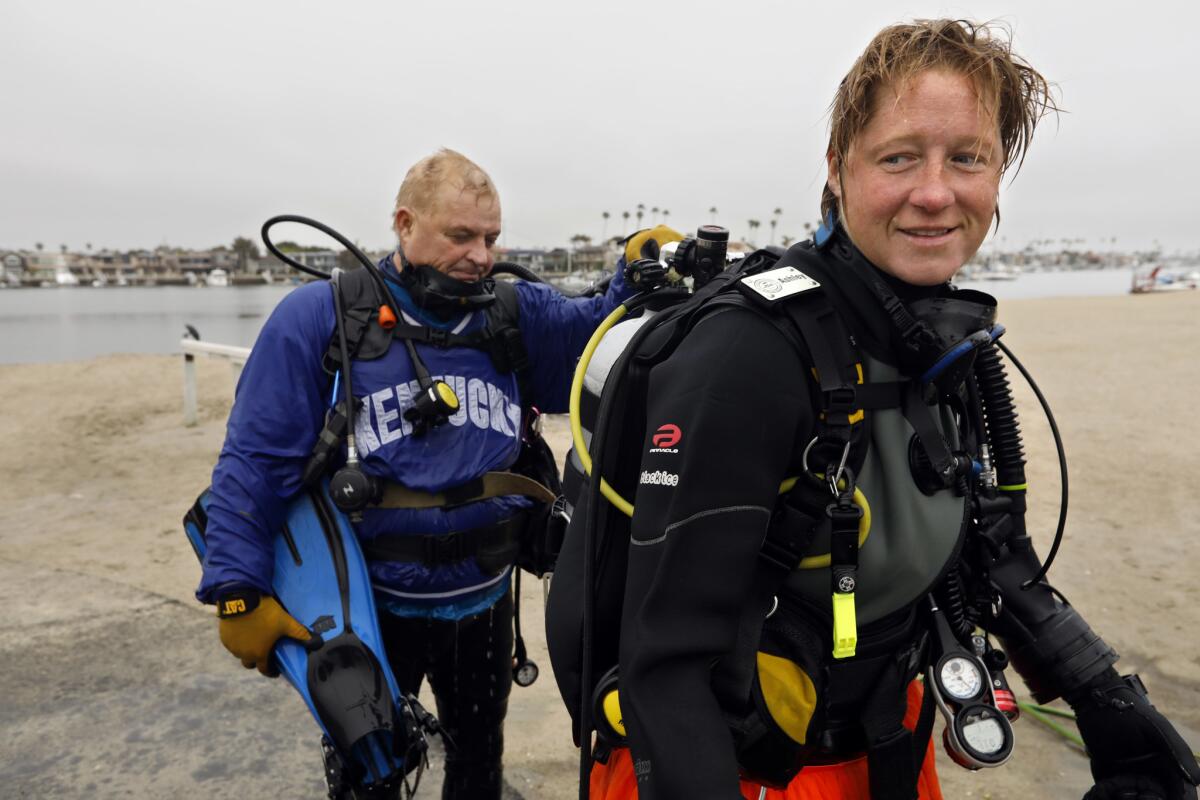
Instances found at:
x=1007 y=86
x=419 y=189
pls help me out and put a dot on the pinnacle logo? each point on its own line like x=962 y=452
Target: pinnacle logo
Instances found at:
x=659 y=478
x=665 y=439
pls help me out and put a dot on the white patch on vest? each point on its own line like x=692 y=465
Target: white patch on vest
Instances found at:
x=384 y=417
x=485 y=405
x=514 y=417
x=405 y=392
x=477 y=403
x=496 y=410
x=459 y=384
x=776 y=284
x=364 y=434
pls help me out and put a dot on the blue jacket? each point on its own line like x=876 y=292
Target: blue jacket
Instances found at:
x=279 y=409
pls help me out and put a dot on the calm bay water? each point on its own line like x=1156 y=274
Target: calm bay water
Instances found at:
x=71 y=323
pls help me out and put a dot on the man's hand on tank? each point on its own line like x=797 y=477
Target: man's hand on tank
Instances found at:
x=647 y=243
x=250 y=631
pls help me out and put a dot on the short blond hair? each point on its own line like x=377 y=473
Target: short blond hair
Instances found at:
x=1006 y=84
x=419 y=189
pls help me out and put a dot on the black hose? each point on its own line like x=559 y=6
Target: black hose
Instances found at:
x=1000 y=417
x=376 y=275
x=518 y=270
x=1062 y=467
x=954 y=606
x=1004 y=433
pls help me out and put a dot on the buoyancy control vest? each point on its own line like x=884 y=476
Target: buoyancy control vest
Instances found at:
x=531 y=539
x=533 y=543
x=912 y=447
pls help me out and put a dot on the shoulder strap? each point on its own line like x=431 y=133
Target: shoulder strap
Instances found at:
x=506 y=346
x=361 y=301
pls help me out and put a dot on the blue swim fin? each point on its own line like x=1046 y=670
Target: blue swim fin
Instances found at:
x=321 y=579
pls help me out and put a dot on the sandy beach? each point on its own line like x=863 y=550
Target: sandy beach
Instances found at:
x=115 y=684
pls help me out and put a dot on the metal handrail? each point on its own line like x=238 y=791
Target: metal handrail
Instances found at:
x=192 y=346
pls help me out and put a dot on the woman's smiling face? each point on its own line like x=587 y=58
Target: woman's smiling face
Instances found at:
x=919 y=186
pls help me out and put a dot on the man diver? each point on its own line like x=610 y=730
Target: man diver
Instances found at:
x=903 y=537
x=441 y=574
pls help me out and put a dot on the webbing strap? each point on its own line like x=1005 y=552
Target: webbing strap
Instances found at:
x=931 y=439
x=891 y=773
x=490 y=484
x=439 y=337
x=446 y=548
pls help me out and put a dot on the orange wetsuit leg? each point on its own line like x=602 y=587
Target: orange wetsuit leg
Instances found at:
x=846 y=781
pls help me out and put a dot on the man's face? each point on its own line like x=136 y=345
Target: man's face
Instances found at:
x=920 y=183
x=455 y=235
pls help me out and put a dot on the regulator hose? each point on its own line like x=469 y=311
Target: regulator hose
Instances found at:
x=1000 y=419
x=517 y=270
x=1004 y=435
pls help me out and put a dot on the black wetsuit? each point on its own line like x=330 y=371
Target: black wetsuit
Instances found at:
x=728 y=414
x=469 y=666
x=738 y=392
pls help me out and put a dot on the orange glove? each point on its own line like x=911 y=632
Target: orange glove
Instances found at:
x=250 y=630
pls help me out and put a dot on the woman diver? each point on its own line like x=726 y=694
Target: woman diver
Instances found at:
x=766 y=635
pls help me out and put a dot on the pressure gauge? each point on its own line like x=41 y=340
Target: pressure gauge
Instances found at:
x=983 y=734
x=961 y=678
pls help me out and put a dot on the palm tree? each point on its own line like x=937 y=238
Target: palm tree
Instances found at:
x=786 y=240
x=666 y=214
x=713 y=211
x=604 y=231
x=753 y=225
x=775 y=221
x=654 y=215
x=39 y=246
x=625 y=230
x=641 y=210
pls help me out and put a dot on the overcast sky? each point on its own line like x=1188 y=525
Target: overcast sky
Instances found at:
x=133 y=124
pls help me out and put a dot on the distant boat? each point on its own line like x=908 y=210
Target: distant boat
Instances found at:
x=1158 y=281
x=99 y=282
x=218 y=277
x=64 y=277
x=998 y=272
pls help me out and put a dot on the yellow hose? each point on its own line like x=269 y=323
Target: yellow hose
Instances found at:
x=581 y=450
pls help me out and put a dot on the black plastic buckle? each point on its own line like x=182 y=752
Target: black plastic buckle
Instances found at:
x=841 y=399
x=443 y=549
x=439 y=338
x=778 y=555
x=843 y=537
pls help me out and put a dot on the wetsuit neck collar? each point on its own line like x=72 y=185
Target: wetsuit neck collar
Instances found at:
x=869 y=296
x=405 y=300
